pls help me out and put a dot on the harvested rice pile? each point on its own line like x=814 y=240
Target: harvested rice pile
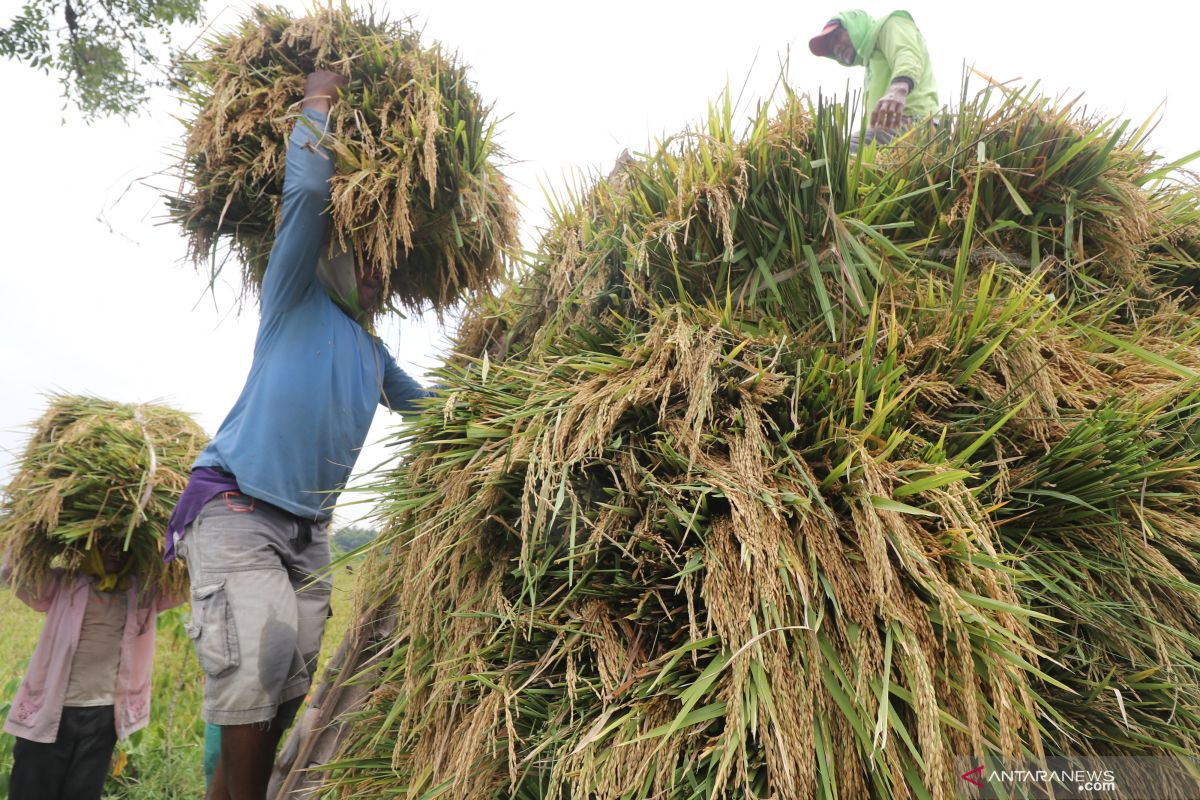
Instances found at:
x=96 y=471
x=417 y=192
x=792 y=476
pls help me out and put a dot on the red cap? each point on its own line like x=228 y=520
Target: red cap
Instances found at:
x=820 y=44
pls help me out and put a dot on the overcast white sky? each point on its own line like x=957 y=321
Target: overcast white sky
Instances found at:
x=94 y=297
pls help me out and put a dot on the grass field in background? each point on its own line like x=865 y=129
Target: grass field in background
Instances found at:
x=164 y=761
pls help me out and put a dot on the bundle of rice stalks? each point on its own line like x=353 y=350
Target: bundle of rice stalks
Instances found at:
x=97 y=472
x=782 y=474
x=417 y=192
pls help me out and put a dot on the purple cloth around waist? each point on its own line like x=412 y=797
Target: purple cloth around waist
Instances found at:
x=204 y=484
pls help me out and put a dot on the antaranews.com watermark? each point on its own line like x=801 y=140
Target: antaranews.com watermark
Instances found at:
x=1081 y=778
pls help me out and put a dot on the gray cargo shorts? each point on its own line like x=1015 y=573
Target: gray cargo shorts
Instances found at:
x=258 y=613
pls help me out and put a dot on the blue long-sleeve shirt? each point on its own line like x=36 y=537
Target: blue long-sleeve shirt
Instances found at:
x=295 y=432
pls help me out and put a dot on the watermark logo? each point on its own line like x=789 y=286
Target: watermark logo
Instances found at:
x=1081 y=778
x=974 y=776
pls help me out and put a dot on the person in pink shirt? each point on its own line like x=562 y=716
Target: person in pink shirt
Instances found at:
x=88 y=682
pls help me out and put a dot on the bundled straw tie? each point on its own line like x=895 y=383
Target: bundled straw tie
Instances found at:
x=148 y=479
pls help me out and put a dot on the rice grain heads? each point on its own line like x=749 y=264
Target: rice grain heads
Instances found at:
x=784 y=474
x=417 y=192
x=96 y=470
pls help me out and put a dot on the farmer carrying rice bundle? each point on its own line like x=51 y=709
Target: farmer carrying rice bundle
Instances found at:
x=253 y=521
x=81 y=529
x=352 y=170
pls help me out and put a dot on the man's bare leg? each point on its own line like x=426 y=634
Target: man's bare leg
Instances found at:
x=247 y=755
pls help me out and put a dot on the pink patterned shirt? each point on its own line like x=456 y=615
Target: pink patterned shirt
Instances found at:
x=37 y=708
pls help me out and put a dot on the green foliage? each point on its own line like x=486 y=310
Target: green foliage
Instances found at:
x=163 y=761
x=7 y=692
x=353 y=537
x=107 y=53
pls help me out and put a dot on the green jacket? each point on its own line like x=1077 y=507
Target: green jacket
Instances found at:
x=892 y=48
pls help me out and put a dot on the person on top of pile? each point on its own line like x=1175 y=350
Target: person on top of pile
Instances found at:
x=88 y=682
x=253 y=521
x=900 y=88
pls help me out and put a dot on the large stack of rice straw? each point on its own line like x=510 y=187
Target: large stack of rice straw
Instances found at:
x=97 y=471
x=789 y=475
x=417 y=192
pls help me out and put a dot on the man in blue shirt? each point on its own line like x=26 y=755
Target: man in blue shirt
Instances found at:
x=253 y=520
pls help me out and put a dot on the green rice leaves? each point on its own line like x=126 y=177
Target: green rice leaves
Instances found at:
x=798 y=476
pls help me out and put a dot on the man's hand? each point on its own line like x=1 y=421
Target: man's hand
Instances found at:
x=321 y=90
x=890 y=109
